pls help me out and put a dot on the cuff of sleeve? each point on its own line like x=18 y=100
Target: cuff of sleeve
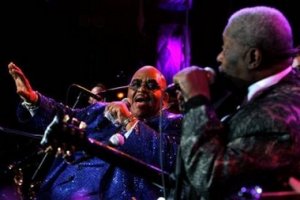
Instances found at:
x=195 y=102
x=32 y=106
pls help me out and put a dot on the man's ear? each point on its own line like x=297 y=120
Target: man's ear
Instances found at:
x=254 y=57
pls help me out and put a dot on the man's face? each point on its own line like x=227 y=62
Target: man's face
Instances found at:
x=146 y=91
x=233 y=63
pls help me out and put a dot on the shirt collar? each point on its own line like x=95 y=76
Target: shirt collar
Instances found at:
x=266 y=82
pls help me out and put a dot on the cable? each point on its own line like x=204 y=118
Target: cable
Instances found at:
x=163 y=181
x=67 y=95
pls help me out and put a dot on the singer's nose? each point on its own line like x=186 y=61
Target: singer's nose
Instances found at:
x=143 y=86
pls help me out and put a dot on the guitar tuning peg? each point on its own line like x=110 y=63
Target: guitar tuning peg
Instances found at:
x=75 y=122
x=68 y=156
x=68 y=153
x=49 y=149
x=82 y=125
x=59 y=152
x=66 y=118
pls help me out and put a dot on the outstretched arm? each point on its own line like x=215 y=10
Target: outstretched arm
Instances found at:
x=23 y=86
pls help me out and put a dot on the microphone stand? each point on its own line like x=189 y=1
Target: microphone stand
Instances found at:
x=17 y=166
x=47 y=153
x=77 y=100
x=35 y=182
x=24 y=187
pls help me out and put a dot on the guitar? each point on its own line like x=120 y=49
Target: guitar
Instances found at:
x=68 y=135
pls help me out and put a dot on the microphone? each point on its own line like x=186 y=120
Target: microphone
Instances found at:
x=116 y=139
x=108 y=117
x=210 y=73
x=111 y=118
x=95 y=96
x=126 y=101
x=87 y=92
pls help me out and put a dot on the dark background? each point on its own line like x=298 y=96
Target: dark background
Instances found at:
x=60 y=42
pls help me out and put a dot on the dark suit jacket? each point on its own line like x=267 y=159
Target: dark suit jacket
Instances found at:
x=259 y=145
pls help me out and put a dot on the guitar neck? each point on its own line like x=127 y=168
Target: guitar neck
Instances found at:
x=138 y=167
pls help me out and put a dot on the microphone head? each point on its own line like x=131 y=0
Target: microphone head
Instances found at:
x=211 y=74
x=126 y=101
x=87 y=92
x=172 y=88
x=117 y=140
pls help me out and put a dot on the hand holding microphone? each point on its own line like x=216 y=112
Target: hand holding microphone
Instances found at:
x=118 y=112
x=194 y=81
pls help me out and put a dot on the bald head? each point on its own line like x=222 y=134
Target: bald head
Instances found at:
x=146 y=92
x=152 y=73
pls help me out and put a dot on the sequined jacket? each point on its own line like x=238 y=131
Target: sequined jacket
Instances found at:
x=258 y=145
x=89 y=177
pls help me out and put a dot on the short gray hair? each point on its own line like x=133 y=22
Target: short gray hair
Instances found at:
x=261 y=27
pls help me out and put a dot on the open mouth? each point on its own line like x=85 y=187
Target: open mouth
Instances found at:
x=142 y=99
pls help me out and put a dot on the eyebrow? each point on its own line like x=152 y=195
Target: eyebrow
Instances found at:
x=147 y=82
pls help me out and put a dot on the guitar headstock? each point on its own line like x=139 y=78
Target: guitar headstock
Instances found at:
x=65 y=135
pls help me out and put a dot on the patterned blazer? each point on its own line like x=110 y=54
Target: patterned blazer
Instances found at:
x=258 y=145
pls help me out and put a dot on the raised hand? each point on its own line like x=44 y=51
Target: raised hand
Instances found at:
x=23 y=86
